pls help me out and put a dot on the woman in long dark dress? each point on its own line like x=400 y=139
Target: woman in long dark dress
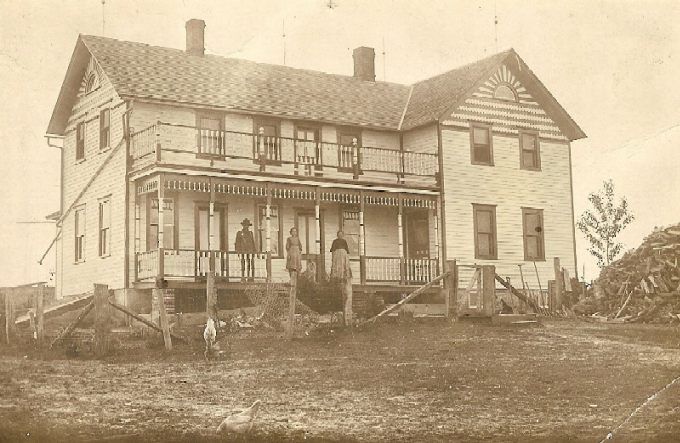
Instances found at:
x=340 y=258
x=294 y=252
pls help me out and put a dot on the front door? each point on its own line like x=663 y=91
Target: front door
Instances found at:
x=417 y=227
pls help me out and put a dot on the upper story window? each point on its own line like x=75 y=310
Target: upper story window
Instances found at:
x=505 y=92
x=210 y=137
x=105 y=227
x=530 y=151
x=80 y=141
x=481 y=149
x=104 y=128
x=307 y=148
x=346 y=140
x=79 y=230
x=267 y=142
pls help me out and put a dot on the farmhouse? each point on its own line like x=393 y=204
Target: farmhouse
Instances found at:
x=167 y=154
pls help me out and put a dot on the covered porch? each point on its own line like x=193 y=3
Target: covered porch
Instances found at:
x=393 y=236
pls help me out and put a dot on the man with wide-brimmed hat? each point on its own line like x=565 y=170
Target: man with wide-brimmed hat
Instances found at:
x=245 y=247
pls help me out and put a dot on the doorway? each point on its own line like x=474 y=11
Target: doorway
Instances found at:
x=417 y=229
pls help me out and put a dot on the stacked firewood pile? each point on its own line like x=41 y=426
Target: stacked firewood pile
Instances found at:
x=642 y=286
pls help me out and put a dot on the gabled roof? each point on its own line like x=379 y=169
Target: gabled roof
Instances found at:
x=172 y=76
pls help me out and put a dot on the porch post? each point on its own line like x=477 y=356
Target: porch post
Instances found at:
x=268 y=230
x=211 y=290
x=436 y=237
x=319 y=256
x=158 y=139
x=261 y=148
x=402 y=261
x=161 y=228
x=138 y=225
x=355 y=159
x=362 y=240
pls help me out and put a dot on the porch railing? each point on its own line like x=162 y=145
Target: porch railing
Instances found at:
x=402 y=270
x=307 y=157
x=191 y=263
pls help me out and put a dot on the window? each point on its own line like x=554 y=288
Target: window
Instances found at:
x=271 y=143
x=168 y=225
x=505 y=92
x=346 y=140
x=105 y=227
x=203 y=226
x=79 y=234
x=209 y=137
x=485 y=231
x=90 y=83
x=308 y=150
x=104 y=128
x=275 y=230
x=481 y=149
x=530 y=152
x=350 y=229
x=532 y=221
x=80 y=141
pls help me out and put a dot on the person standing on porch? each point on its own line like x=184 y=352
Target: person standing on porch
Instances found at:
x=245 y=248
x=294 y=252
x=340 y=268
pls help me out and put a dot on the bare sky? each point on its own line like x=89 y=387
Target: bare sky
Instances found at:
x=612 y=64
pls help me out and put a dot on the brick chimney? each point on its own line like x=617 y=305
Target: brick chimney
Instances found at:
x=195 y=37
x=364 y=63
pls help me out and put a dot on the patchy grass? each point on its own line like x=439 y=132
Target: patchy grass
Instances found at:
x=426 y=381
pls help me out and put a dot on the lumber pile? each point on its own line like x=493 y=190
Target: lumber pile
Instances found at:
x=642 y=286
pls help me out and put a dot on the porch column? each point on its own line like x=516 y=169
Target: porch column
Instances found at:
x=211 y=290
x=138 y=225
x=362 y=240
x=261 y=154
x=161 y=228
x=268 y=230
x=400 y=234
x=436 y=238
x=319 y=255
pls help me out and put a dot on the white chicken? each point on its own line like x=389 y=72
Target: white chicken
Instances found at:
x=209 y=335
x=240 y=423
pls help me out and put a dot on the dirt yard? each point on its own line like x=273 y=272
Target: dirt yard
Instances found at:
x=423 y=381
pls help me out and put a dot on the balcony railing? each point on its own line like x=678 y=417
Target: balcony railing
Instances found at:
x=232 y=266
x=307 y=157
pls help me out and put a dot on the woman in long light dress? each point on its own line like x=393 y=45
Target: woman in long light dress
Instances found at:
x=294 y=252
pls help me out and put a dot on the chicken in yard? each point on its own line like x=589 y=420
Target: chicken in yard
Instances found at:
x=240 y=423
x=209 y=335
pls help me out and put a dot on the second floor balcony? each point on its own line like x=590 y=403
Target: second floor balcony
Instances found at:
x=257 y=153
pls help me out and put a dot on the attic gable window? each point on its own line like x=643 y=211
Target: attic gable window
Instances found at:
x=90 y=83
x=505 y=92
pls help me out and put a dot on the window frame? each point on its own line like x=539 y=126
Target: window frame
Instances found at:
x=494 y=231
x=212 y=116
x=537 y=155
x=259 y=242
x=530 y=211
x=106 y=250
x=105 y=129
x=79 y=237
x=259 y=122
x=308 y=126
x=489 y=130
x=175 y=234
x=351 y=132
x=80 y=140
x=512 y=90
x=220 y=208
x=341 y=224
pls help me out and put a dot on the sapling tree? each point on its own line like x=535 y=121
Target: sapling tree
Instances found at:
x=603 y=222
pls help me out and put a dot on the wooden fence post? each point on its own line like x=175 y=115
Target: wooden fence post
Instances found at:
x=290 y=332
x=10 y=326
x=40 y=315
x=211 y=291
x=488 y=289
x=159 y=295
x=101 y=320
x=347 y=296
x=451 y=288
x=559 y=284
